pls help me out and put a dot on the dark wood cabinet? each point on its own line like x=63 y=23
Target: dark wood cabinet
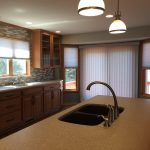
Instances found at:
x=24 y=106
x=45 y=49
x=56 y=99
x=56 y=59
x=10 y=110
x=52 y=98
x=32 y=104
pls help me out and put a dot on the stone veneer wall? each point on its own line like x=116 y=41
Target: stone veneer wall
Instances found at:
x=15 y=32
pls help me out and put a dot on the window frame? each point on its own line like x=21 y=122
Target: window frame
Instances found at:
x=77 y=69
x=10 y=59
x=142 y=72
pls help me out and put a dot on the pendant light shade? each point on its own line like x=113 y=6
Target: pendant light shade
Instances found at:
x=91 y=7
x=117 y=26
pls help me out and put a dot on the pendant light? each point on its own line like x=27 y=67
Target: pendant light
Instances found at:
x=91 y=7
x=117 y=26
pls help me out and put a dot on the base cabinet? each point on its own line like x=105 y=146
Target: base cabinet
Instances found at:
x=32 y=104
x=10 y=111
x=47 y=102
x=52 y=98
x=22 y=107
x=56 y=99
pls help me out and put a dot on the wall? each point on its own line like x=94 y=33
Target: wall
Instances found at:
x=132 y=34
x=15 y=32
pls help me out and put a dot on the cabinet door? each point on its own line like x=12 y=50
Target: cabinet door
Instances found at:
x=38 y=105
x=56 y=99
x=56 y=50
x=47 y=101
x=28 y=108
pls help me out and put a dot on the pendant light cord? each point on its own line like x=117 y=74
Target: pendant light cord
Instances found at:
x=118 y=7
x=118 y=14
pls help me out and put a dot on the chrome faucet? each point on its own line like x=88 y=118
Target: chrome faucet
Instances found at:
x=115 y=110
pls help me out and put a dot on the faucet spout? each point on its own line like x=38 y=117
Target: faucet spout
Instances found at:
x=116 y=112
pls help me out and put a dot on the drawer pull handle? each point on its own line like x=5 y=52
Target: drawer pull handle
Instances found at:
x=10 y=106
x=10 y=120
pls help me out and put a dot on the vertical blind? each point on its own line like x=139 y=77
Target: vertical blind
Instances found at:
x=115 y=65
x=10 y=48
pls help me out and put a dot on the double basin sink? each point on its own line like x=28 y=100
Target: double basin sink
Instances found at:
x=88 y=114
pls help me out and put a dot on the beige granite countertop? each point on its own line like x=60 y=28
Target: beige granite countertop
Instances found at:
x=129 y=132
x=28 y=85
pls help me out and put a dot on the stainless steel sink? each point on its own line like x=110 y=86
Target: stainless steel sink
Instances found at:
x=89 y=114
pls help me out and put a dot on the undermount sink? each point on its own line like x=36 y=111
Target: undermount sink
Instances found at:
x=82 y=118
x=98 y=109
x=89 y=114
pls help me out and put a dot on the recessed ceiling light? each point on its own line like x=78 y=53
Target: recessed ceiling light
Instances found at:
x=109 y=16
x=58 y=31
x=28 y=22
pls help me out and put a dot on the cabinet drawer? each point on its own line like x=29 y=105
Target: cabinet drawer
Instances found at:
x=10 y=105
x=52 y=86
x=10 y=119
x=32 y=91
x=9 y=95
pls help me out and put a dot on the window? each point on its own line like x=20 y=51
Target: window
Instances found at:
x=114 y=64
x=71 y=67
x=145 y=69
x=70 y=78
x=14 y=57
x=4 y=67
x=147 y=82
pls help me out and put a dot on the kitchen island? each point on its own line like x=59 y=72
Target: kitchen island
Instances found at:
x=129 y=132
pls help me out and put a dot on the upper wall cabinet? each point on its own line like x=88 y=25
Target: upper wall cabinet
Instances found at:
x=45 y=49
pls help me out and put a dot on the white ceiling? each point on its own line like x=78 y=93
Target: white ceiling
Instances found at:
x=62 y=15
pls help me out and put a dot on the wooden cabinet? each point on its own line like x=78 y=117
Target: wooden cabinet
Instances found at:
x=22 y=107
x=56 y=99
x=45 y=49
x=52 y=98
x=32 y=104
x=10 y=107
x=56 y=59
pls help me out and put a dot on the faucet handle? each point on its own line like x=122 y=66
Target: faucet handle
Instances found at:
x=106 y=121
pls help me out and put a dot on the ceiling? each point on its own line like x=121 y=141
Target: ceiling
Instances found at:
x=62 y=15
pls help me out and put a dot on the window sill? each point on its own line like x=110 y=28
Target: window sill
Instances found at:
x=70 y=91
x=12 y=77
x=145 y=96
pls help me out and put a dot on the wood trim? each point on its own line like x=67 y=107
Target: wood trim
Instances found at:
x=51 y=49
x=36 y=49
x=28 y=67
x=10 y=68
x=78 y=68
x=142 y=71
